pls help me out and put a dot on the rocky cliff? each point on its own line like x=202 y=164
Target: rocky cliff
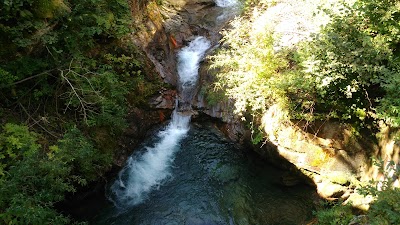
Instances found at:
x=336 y=158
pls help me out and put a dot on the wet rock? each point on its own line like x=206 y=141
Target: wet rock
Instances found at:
x=166 y=28
x=165 y=100
x=289 y=180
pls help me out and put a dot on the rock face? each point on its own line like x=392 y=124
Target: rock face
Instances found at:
x=166 y=27
x=335 y=157
x=330 y=153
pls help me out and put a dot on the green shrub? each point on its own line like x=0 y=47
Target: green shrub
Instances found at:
x=334 y=215
x=386 y=209
x=248 y=68
x=16 y=142
x=32 y=182
x=35 y=178
x=63 y=66
x=354 y=61
x=86 y=162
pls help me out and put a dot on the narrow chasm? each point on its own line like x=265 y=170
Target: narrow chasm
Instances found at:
x=191 y=173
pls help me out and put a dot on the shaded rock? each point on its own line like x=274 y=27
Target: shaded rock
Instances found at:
x=140 y=122
x=289 y=180
x=165 y=100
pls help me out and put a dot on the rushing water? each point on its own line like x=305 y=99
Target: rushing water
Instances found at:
x=146 y=172
x=188 y=65
x=211 y=181
x=190 y=174
x=226 y=3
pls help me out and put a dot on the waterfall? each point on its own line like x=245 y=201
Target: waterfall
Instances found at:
x=146 y=172
x=226 y=3
x=188 y=66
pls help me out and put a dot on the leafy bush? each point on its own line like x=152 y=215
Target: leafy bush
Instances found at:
x=386 y=209
x=353 y=61
x=79 y=153
x=248 y=69
x=335 y=214
x=66 y=58
x=15 y=143
x=349 y=71
x=64 y=67
x=255 y=75
x=31 y=185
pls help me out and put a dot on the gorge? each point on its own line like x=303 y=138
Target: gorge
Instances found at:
x=191 y=174
x=199 y=112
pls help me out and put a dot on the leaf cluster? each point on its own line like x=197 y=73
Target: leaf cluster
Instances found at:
x=354 y=61
x=334 y=214
x=385 y=209
x=248 y=69
x=31 y=185
x=68 y=71
x=252 y=72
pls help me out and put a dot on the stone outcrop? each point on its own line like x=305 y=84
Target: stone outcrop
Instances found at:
x=332 y=154
x=162 y=29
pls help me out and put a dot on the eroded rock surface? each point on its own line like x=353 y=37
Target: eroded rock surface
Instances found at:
x=330 y=153
x=163 y=29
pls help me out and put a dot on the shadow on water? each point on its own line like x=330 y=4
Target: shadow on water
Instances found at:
x=208 y=180
x=214 y=182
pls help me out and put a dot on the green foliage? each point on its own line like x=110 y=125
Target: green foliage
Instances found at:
x=255 y=75
x=31 y=185
x=390 y=172
x=6 y=78
x=15 y=143
x=61 y=25
x=386 y=209
x=212 y=95
x=78 y=152
x=354 y=61
x=99 y=97
x=335 y=214
x=248 y=69
x=256 y=136
x=66 y=57
x=63 y=67
x=62 y=62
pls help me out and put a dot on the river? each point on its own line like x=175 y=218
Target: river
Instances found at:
x=190 y=174
x=212 y=181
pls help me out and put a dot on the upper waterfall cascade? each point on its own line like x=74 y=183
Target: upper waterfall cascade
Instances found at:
x=226 y=3
x=149 y=170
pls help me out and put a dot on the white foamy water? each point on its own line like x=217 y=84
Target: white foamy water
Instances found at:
x=226 y=3
x=189 y=58
x=146 y=172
